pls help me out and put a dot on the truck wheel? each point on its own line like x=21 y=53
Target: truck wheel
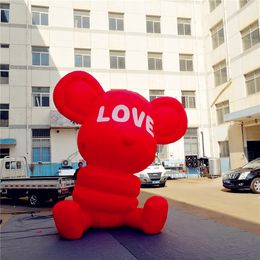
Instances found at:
x=162 y=185
x=34 y=200
x=255 y=185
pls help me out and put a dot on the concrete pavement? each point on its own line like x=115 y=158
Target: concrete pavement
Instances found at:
x=207 y=197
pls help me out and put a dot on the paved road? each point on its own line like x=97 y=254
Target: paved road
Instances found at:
x=201 y=196
x=207 y=197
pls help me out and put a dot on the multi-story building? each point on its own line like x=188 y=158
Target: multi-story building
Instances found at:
x=233 y=76
x=204 y=53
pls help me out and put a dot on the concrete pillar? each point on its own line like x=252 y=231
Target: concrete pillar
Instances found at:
x=236 y=146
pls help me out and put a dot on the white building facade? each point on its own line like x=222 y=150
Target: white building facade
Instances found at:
x=232 y=52
x=202 y=53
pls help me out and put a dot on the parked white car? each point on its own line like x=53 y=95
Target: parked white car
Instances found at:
x=153 y=175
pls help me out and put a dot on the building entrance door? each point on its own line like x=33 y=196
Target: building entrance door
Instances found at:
x=253 y=149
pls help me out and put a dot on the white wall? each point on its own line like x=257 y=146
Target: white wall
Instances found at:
x=62 y=38
x=64 y=144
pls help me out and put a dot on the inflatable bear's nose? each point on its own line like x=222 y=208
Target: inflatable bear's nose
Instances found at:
x=128 y=139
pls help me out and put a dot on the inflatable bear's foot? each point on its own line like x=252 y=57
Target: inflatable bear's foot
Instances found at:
x=69 y=219
x=154 y=215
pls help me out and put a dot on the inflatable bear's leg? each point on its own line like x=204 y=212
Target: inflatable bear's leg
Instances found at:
x=151 y=218
x=154 y=214
x=70 y=220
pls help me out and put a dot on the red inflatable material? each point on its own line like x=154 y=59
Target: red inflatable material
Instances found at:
x=118 y=137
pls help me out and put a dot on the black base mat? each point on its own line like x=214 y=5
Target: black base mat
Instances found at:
x=185 y=236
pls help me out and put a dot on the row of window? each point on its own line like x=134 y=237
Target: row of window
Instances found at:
x=188 y=97
x=41 y=151
x=40 y=147
x=117 y=61
x=41 y=143
x=82 y=58
x=191 y=144
x=41 y=98
x=40 y=16
x=213 y=4
x=188 y=100
x=249 y=35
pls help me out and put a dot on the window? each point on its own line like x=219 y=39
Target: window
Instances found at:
x=217 y=35
x=223 y=149
x=188 y=99
x=253 y=82
x=186 y=62
x=4 y=8
x=222 y=109
x=116 y=21
x=162 y=151
x=4 y=73
x=191 y=142
x=153 y=24
x=250 y=35
x=155 y=93
x=220 y=73
x=117 y=60
x=13 y=165
x=243 y=2
x=4 y=115
x=41 y=96
x=82 y=58
x=4 y=152
x=213 y=4
x=81 y=19
x=40 y=15
x=154 y=61
x=41 y=145
x=184 y=26
x=40 y=56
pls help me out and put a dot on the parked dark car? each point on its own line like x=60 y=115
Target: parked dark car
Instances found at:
x=246 y=177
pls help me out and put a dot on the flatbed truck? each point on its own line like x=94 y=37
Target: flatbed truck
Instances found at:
x=16 y=182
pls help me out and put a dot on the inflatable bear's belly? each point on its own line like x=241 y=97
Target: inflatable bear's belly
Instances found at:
x=96 y=200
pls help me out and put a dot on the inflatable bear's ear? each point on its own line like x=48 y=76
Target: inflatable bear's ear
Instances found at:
x=170 y=120
x=75 y=93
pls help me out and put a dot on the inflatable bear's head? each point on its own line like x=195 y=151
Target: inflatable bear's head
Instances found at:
x=120 y=128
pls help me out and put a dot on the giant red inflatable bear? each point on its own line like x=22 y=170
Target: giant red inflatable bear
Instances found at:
x=118 y=137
